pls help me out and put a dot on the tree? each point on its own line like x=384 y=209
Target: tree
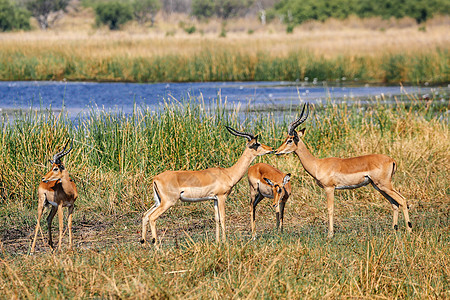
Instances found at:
x=47 y=12
x=221 y=8
x=202 y=8
x=113 y=14
x=13 y=17
x=145 y=10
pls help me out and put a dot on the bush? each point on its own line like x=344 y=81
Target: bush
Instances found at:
x=13 y=17
x=299 y=11
x=47 y=12
x=145 y=10
x=223 y=9
x=113 y=14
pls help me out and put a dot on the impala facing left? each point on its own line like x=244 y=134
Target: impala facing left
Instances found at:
x=56 y=190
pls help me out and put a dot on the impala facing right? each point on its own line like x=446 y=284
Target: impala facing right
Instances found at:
x=345 y=173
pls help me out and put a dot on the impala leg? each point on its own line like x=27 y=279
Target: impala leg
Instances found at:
x=217 y=218
x=61 y=225
x=395 y=217
x=145 y=220
x=155 y=215
x=50 y=217
x=330 y=206
x=396 y=199
x=38 y=225
x=221 y=202
x=69 y=225
x=282 y=204
x=255 y=200
x=277 y=215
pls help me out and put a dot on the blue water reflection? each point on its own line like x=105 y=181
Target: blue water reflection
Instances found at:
x=78 y=96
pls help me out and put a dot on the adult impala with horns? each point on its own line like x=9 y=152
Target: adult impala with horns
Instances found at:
x=345 y=173
x=56 y=190
x=193 y=186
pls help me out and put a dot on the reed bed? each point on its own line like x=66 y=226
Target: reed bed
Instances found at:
x=351 y=55
x=115 y=156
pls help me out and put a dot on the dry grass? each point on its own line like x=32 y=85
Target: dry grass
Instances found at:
x=328 y=51
x=365 y=259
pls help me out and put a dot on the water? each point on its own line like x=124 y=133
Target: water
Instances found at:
x=78 y=97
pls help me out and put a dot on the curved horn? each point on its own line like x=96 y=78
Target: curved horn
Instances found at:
x=242 y=134
x=57 y=157
x=300 y=120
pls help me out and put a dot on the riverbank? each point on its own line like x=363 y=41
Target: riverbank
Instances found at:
x=394 y=55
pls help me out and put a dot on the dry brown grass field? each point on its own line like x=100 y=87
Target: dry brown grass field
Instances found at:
x=368 y=50
x=115 y=158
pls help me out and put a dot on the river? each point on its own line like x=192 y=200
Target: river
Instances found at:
x=78 y=97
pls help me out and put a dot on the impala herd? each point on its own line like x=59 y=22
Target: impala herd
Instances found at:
x=57 y=190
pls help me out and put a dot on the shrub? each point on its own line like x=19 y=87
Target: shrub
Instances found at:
x=113 y=14
x=47 y=12
x=190 y=29
x=13 y=17
x=223 y=9
x=299 y=11
x=145 y=10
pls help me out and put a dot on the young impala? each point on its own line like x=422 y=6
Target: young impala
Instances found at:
x=267 y=181
x=193 y=186
x=345 y=173
x=56 y=190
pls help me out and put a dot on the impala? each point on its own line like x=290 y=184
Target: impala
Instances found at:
x=345 y=173
x=56 y=190
x=267 y=181
x=193 y=186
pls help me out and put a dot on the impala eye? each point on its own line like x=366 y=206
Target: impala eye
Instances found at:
x=55 y=169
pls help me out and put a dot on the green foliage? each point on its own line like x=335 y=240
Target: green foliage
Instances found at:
x=224 y=65
x=221 y=8
x=113 y=14
x=145 y=10
x=290 y=28
x=190 y=29
x=46 y=11
x=203 y=8
x=13 y=17
x=299 y=11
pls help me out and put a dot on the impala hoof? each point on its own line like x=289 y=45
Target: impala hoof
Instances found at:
x=142 y=241
x=153 y=240
x=396 y=227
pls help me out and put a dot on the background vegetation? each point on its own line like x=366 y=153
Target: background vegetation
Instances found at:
x=291 y=12
x=297 y=12
x=13 y=17
x=116 y=155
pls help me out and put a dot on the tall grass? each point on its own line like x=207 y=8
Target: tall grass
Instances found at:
x=363 y=55
x=116 y=155
x=227 y=65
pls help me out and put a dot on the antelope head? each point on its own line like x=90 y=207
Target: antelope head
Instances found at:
x=291 y=142
x=278 y=189
x=253 y=144
x=57 y=166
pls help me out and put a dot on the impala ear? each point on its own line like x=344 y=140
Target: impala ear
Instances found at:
x=269 y=182
x=302 y=132
x=286 y=179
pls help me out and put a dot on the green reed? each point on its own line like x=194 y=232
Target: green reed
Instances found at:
x=225 y=65
x=115 y=156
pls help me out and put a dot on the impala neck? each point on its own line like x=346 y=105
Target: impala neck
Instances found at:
x=66 y=182
x=308 y=160
x=238 y=170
